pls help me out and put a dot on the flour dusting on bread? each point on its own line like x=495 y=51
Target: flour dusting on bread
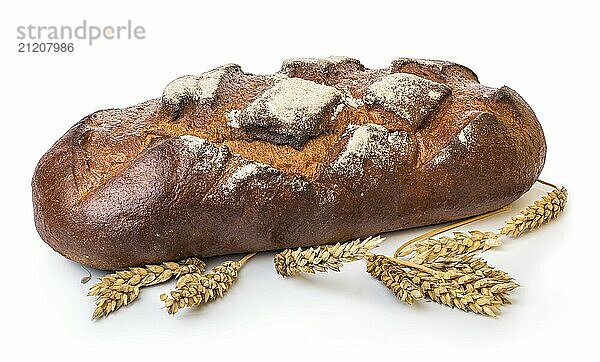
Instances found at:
x=347 y=100
x=411 y=97
x=434 y=64
x=365 y=141
x=233 y=118
x=321 y=65
x=243 y=173
x=197 y=143
x=290 y=112
x=466 y=136
x=441 y=157
x=208 y=156
x=196 y=88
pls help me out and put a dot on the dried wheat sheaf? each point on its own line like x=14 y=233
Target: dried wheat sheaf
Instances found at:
x=466 y=282
x=123 y=287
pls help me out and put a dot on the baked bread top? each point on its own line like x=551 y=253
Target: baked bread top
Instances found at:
x=321 y=151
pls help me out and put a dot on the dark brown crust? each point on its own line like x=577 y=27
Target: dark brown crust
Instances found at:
x=121 y=188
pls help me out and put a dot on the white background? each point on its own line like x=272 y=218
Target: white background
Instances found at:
x=547 y=52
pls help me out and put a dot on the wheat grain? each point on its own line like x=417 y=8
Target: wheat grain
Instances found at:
x=465 y=282
x=323 y=258
x=430 y=249
x=542 y=211
x=203 y=288
x=123 y=287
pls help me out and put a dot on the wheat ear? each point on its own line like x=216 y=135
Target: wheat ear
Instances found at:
x=439 y=230
x=467 y=283
x=542 y=211
x=123 y=287
x=431 y=249
x=204 y=288
x=323 y=258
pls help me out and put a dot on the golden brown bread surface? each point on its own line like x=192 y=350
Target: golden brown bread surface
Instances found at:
x=324 y=150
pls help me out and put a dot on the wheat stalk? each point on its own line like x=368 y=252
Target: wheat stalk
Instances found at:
x=542 y=211
x=430 y=249
x=123 y=287
x=203 y=288
x=323 y=258
x=465 y=282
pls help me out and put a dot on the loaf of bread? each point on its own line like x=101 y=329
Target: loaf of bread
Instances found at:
x=324 y=150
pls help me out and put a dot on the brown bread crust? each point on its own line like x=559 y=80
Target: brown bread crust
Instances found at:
x=323 y=151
